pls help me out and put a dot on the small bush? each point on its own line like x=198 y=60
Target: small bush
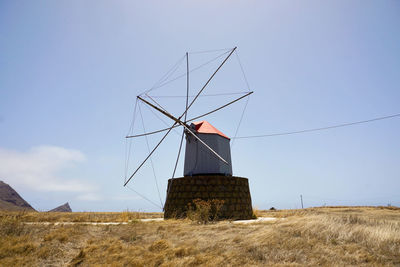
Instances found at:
x=203 y=211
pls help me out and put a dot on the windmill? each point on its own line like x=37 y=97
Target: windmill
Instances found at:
x=208 y=168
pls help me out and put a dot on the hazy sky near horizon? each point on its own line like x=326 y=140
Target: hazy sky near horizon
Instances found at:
x=70 y=72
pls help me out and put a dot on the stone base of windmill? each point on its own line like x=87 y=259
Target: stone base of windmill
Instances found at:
x=234 y=191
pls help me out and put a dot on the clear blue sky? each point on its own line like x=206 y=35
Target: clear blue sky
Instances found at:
x=70 y=71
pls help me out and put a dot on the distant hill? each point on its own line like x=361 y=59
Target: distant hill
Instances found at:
x=11 y=200
x=62 y=208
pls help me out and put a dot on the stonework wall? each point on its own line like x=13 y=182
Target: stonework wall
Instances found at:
x=233 y=190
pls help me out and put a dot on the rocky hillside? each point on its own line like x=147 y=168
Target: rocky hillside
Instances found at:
x=62 y=208
x=11 y=200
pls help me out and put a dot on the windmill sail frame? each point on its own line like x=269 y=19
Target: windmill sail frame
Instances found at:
x=178 y=121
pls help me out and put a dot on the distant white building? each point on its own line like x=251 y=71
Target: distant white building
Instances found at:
x=199 y=159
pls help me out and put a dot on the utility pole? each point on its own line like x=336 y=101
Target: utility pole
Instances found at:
x=301 y=198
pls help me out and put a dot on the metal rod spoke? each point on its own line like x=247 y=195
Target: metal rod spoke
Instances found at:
x=207 y=146
x=178 y=120
x=187 y=100
x=192 y=119
x=179 y=153
x=154 y=149
x=221 y=107
x=208 y=81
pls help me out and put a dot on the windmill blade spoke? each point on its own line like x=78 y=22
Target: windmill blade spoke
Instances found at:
x=187 y=85
x=207 y=146
x=163 y=111
x=179 y=153
x=178 y=120
x=187 y=100
x=192 y=119
x=150 y=133
x=208 y=81
x=183 y=132
x=221 y=107
x=154 y=149
x=156 y=102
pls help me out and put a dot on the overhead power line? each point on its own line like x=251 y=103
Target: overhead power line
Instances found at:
x=321 y=128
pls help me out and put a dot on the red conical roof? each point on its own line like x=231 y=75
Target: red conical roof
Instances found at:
x=207 y=128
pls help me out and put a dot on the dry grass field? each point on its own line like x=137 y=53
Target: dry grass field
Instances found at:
x=315 y=236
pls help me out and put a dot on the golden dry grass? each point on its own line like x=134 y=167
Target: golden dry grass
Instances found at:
x=317 y=236
x=124 y=216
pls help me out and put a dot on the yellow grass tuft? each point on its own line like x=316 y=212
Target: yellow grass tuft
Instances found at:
x=159 y=245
